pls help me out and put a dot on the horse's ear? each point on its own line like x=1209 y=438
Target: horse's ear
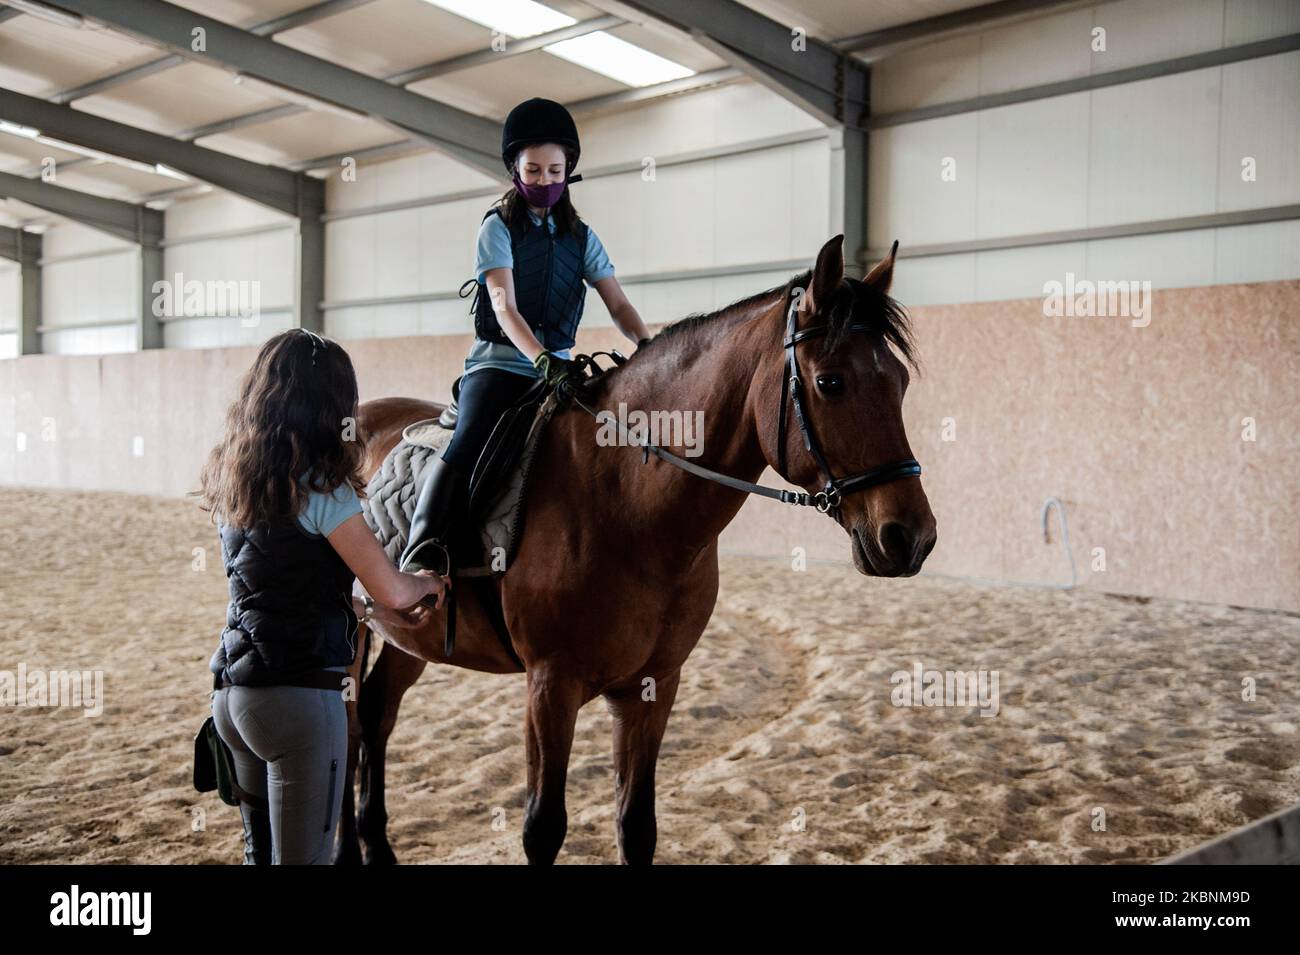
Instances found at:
x=882 y=275
x=827 y=274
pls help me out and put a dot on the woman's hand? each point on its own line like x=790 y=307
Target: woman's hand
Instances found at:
x=426 y=584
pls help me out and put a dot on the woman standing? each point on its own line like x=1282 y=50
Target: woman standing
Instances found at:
x=534 y=254
x=282 y=486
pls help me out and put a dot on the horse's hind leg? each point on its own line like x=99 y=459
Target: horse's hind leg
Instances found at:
x=553 y=705
x=638 y=730
x=395 y=672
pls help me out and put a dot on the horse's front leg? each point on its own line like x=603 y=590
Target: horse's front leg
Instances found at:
x=639 y=725
x=553 y=704
x=347 y=851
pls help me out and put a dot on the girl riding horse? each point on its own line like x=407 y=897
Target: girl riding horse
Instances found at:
x=534 y=254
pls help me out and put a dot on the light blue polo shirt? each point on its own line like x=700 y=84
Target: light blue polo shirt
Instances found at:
x=494 y=252
x=323 y=513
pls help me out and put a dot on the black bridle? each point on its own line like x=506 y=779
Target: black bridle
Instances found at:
x=828 y=498
x=825 y=500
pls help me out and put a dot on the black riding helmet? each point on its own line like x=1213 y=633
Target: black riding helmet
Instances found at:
x=539 y=121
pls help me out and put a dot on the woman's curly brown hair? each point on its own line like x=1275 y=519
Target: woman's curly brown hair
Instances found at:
x=296 y=413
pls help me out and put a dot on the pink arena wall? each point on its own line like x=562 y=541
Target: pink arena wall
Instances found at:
x=1137 y=430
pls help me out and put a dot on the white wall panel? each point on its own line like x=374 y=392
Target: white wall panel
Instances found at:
x=84 y=291
x=1021 y=273
x=729 y=114
x=679 y=212
x=935 y=279
x=908 y=199
x=1145 y=31
x=942 y=72
x=1172 y=260
x=89 y=341
x=1268 y=252
x=1154 y=149
x=1246 y=21
x=11 y=296
x=1042 y=50
x=1033 y=167
x=217 y=212
x=1261 y=119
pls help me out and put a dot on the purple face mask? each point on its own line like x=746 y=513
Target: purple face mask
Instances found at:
x=543 y=197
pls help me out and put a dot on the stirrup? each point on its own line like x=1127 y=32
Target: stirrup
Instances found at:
x=448 y=599
x=412 y=559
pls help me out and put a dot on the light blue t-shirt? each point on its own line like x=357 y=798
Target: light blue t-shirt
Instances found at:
x=494 y=252
x=323 y=513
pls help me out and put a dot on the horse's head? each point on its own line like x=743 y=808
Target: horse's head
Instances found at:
x=851 y=386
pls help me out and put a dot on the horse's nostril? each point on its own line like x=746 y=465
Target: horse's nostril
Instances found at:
x=895 y=543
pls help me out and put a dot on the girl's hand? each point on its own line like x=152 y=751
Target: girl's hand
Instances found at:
x=432 y=584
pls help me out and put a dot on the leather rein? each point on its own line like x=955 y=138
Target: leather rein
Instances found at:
x=825 y=500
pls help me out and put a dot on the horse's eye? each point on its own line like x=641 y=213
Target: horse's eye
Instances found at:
x=830 y=385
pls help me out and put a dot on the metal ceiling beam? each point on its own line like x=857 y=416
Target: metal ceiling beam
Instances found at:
x=469 y=138
x=876 y=44
x=123 y=220
x=290 y=21
x=276 y=188
x=25 y=249
x=817 y=78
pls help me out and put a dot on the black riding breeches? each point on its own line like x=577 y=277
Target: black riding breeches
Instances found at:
x=485 y=394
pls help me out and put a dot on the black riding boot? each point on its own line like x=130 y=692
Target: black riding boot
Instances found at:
x=440 y=504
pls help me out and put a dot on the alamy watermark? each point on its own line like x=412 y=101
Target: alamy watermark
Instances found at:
x=661 y=428
x=961 y=688
x=76 y=688
x=178 y=298
x=1073 y=298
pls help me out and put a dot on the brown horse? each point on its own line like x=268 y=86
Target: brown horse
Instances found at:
x=617 y=572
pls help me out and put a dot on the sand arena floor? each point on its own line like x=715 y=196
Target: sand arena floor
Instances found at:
x=1126 y=705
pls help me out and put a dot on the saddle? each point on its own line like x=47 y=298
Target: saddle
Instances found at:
x=497 y=488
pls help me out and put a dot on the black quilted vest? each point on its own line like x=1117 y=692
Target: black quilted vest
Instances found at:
x=549 y=291
x=290 y=608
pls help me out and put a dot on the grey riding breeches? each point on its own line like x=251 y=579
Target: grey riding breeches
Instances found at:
x=290 y=747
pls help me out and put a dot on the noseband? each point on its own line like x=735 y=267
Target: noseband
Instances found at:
x=825 y=500
x=828 y=498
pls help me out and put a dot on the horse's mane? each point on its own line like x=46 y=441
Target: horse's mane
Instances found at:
x=886 y=314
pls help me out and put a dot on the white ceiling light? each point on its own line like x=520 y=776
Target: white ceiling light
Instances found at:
x=599 y=52
x=517 y=18
x=626 y=62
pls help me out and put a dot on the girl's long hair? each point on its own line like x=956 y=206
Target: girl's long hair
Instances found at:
x=514 y=208
x=296 y=413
